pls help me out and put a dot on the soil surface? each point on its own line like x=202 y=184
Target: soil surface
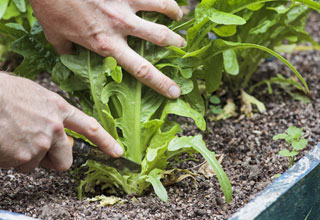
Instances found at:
x=250 y=159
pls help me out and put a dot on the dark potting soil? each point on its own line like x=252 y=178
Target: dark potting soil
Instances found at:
x=250 y=159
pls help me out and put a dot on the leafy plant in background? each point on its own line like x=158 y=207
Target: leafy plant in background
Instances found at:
x=295 y=143
x=18 y=11
x=134 y=114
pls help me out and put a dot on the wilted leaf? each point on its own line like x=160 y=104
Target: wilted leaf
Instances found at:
x=107 y=200
x=207 y=170
x=177 y=175
x=229 y=110
x=247 y=101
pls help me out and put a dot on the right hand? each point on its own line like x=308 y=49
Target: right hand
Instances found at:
x=32 y=122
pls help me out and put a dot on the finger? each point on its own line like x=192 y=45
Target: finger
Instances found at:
x=89 y=127
x=62 y=45
x=31 y=165
x=145 y=72
x=28 y=167
x=156 y=33
x=59 y=157
x=167 y=7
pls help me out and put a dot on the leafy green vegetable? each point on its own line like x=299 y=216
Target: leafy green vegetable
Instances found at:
x=137 y=117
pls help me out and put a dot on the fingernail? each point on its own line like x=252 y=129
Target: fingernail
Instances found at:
x=118 y=149
x=180 y=15
x=174 y=92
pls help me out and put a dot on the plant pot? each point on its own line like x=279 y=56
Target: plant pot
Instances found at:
x=295 y=195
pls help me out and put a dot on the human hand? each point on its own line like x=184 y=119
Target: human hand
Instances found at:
x=32 y=121
x=103 y=25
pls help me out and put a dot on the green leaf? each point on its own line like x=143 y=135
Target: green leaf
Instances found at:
x=37 y=57
x=214 y=99
x=213 y=73
x=230 y=62
x=87 y=68
x=32 y=20
x=182 y=2
x=219 y=46
x=21 y=5
x=234 y=6
x=11 y=11
x=294 y=132
x=186 y=72
x=109 y=65
x=154 y=178
x=216 y=110
x=60 y=73
x=198 y=144
x=186 y=85
x=287 y=153
x=225 y=30
x=255 y=7
x=280 y=136
x=3 y=7
x=179 y=107
x=224 y=18
x=195 y=99
x=111 y=69
x=281 y=9
x=300 y=144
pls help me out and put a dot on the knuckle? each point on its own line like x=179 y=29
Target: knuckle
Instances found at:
x=23 y=157
x=163 y=36
x=119 y=21
x=56 y=126
x=93 y=127
x=144 y=72
x=104 y=45
x=162 y=84
x=163 y=5
x=42 y=143
x=59 y=101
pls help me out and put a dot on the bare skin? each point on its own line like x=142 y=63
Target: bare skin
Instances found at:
x=32 y=119
x=32 y=127
x=103 y=25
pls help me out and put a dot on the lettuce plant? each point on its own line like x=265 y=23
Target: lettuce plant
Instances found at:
x=134 y=114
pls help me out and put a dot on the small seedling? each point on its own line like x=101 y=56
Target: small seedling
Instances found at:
x=214 y=106
x=294 y=141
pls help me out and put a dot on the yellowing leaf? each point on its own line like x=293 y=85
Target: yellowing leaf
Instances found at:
x=229 y=110
x=248 y=101
x=107 y=200
x=206 y=170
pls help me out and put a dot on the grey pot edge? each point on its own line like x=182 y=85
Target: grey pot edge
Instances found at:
x=280 y=186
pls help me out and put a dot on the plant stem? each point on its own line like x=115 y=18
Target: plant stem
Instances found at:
x=190 y=22
x=94 y=95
